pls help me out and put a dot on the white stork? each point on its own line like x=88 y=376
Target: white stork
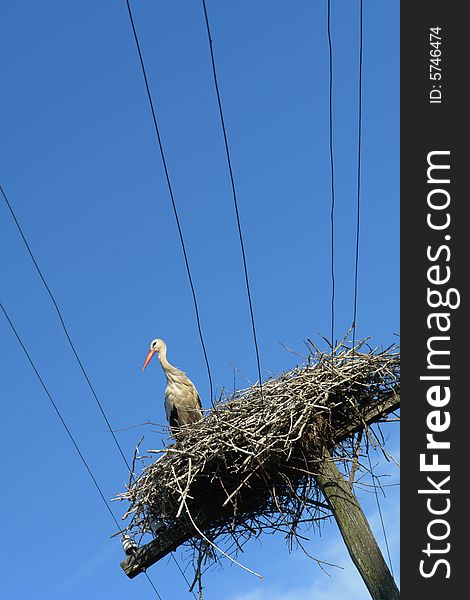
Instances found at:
x=182 y=402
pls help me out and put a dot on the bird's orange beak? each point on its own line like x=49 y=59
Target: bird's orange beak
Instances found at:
x=149 y=358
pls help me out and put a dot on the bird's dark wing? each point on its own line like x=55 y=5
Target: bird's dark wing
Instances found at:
x=198 y=400
x=174 y=419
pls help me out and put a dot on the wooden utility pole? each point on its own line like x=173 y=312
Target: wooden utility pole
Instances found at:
x=346 y=509
x=354 y=528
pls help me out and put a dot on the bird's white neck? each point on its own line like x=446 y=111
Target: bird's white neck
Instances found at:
x=169 y=369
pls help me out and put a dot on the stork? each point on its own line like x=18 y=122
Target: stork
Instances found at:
x=182 y=402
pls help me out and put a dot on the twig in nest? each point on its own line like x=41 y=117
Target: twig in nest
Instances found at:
x=211 y=542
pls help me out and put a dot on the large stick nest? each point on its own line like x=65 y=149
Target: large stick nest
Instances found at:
x=250 y=464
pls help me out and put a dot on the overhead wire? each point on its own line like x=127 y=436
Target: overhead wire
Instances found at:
x=67 y=429
x=234 y=191
x=56 y=306
x=359 y=165
x=170 y=190
x=64 y=326
x=176 y=215
x=375 y=482
x=57 y=411
x=356 y=255
x=183 y=574
x=332 y=210
x=152 y=585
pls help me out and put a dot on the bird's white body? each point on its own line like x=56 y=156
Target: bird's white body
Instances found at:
x=182 y=402
x=181 y=397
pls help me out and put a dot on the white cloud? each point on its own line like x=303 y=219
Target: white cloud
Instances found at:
x=342 y=583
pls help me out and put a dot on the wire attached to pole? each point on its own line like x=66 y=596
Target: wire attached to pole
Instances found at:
x=69 y=433
x=234 y=193
x=332 y=211
x=58 y=413
x=359 y=164
x=64 y=326
x=170 y=190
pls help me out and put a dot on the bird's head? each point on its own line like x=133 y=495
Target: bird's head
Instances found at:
x=156 y=346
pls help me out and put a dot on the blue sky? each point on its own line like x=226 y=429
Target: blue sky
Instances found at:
x=79 y=163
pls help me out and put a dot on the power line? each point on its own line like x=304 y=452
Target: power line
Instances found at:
x=175 y=212
x=374 y=478
x=170 y=190
x=41 y=381
x=69 y=433
x=64 y=327
x=356 y=258
x=234 y=192
x=59 y=313
x=359 y=156
x=358 y=207
x=332 y=212
x=183 y=574
x=51 y=295
x=62 y=321
x=153 y=585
